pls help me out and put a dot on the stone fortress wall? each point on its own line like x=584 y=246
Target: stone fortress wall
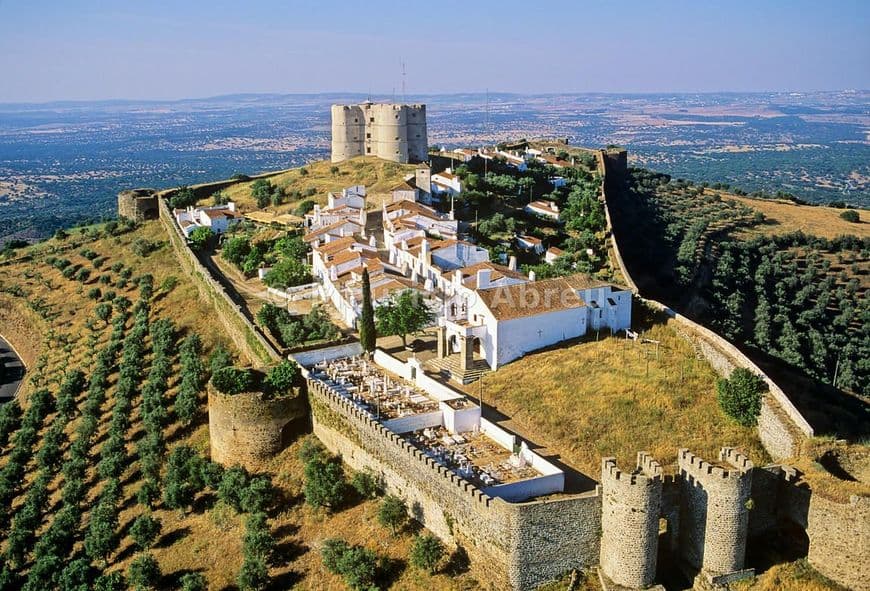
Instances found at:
x=386 y=130
x=525 y=543
x=533 y=542
x=838 y=533
x=781 y=426
x=245 y=334
x=138 y=204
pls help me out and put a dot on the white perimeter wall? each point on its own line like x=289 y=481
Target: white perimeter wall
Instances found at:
x=462 y=420
x=414 y=422
x=519 y=336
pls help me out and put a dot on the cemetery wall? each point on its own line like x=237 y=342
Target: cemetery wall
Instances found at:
x=525 y=543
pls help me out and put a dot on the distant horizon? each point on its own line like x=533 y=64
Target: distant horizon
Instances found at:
x=89 y=50
x=387 y=97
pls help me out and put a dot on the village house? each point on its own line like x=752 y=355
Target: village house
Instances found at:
x=530 y=243
x=405 y=220
x=339 y=229
x=445 y=184
x=501 y=323
x=546 y=209
x=552 y=254
x=218 y=218
x=431 y=263
x=349 y=206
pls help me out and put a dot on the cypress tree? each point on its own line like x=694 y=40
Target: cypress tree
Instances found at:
x=367 y=332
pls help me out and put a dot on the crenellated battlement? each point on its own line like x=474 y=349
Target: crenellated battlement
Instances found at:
x=648 y=471
x=366 y=423
x=735 y=458
x=648 y=465
x=714 y=515
x=698 y=468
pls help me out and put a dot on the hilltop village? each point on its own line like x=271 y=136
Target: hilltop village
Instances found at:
x=442 y=340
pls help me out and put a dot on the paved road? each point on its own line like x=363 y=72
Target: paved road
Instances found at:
x=13 y=374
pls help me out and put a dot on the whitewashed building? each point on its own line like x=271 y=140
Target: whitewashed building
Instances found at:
x=405 y=220
x=218 y=218
x=543 y=208
x=501 y=323
x=350 y=205
x=553 y=254
x=432 y=262
x=530 y=243
x=445 y=184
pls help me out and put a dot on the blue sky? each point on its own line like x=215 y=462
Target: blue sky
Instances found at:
x=158 y=49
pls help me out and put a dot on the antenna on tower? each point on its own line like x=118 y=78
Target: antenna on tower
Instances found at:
x=403 y=80
x=486 y=133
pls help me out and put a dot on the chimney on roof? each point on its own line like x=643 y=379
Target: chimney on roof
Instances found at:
x=483 y=278
x=231 y=205
x=532 y=276
x=512 y=263
x=372 y=241
x=457 y=277
x=404 y=245
x=425 y=253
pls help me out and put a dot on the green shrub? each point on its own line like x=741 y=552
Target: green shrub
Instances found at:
x=427 y=552
x=358 y=565
x=365 y=484
x=324 y=483
x=232 y=380
x=145 y=530
x=281 y=378
x=303 y=208
x=850 y=215
x=740 y=396
x=193 y=582
x=182 y=198
x=144 y=573
x=392 y=513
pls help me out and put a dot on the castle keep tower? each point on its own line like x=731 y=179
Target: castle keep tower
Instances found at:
x=630 y=505
x=389 y=131
x=714 y=519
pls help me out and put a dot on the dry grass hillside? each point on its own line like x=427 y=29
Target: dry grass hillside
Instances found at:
x=785 y=217
x=615 y=397
x=378 y=176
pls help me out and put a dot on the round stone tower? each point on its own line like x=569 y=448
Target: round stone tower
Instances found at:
x=714 y=516
x=630 y=507
x=348 y=131
x=389 y=132
x=418 y=140
x=138 y=204
x=246 y=428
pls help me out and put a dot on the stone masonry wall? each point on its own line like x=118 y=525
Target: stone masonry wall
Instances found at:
x=242 y=331
x=138 y=204
x=714 y=516
x=631 y=503
x=245 y=429
x=781 y=426
x=522 y=544
x=838 y=532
